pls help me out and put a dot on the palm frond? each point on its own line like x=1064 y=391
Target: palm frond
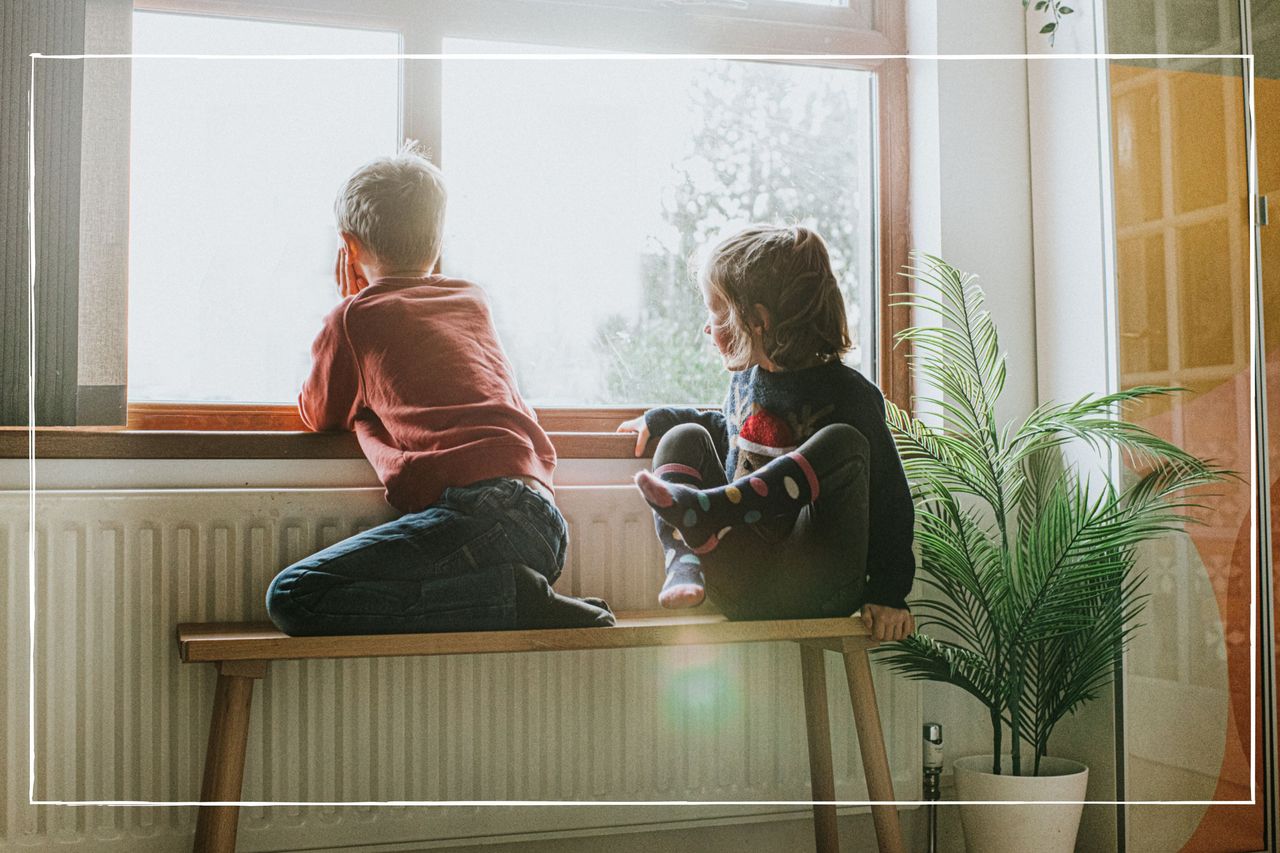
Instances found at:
x=958 y=559
x=1041 y=469
x=922 y=658
x=972 y=337
x=1094 y=420
x=945 y=463
x=1080 y=665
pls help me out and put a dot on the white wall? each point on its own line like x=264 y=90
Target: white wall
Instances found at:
x=1009 y=181
x=971 y=205
x=970 y=169
x=1075 y=315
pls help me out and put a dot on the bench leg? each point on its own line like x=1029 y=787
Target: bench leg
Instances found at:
x=875 y=761
x=818 y=728
x=224 y=758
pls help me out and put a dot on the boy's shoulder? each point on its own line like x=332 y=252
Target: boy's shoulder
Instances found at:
x=436 y=288
x=409 y=307
x=422 y=284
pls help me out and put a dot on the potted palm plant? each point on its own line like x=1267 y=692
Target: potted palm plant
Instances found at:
x=1028 y=563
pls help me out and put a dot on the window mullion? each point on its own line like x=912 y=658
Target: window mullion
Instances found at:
x=423 y=94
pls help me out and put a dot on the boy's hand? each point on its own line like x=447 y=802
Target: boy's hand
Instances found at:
x=640 y=428
x=888 y=623
x=347 y=273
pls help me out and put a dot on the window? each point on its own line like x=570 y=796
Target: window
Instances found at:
x=580 y=188
x=234 y=168
x=596 y=179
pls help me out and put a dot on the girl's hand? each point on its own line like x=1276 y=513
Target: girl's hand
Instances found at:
x=347 y=274
x=640 y=428
x=888 y=623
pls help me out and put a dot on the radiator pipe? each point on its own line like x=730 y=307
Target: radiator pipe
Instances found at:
x=932 y=779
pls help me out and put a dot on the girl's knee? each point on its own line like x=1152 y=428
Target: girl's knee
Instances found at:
x=683 y=442
x=845 y=436
x=687 y=432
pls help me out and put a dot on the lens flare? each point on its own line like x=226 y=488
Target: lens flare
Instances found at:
x=702 y=688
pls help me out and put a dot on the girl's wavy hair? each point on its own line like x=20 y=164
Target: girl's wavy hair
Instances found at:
x=787 y=270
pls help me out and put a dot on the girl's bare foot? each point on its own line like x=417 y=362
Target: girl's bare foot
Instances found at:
x=681 y=596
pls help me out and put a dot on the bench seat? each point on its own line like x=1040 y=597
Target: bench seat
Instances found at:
x=224 y=641
x=242 y=651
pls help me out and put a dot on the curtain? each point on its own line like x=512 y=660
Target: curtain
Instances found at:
x=81 y=211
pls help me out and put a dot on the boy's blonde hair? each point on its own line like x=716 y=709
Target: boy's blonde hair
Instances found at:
x=395 y=207
x=787 y=270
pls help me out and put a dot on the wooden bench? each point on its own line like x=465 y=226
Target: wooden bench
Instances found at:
x=241 y=652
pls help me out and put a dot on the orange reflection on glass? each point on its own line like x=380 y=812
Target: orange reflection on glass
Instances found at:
x=1183 y=262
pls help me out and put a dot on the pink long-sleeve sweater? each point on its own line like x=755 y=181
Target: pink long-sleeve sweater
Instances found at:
x=414 y=367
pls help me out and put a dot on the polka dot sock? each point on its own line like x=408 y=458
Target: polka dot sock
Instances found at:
x=703 y=516
x=684 y=585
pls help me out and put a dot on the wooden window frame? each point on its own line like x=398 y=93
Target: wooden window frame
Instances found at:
x=185 y=430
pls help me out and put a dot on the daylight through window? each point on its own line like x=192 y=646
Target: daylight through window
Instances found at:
x=579 y=191
x=235 y=164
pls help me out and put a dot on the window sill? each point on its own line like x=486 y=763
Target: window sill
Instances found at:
x=252 y=417
x=72 y=443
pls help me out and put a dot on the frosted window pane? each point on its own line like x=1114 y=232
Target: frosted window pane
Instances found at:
x=235 y=165
x=578 y=189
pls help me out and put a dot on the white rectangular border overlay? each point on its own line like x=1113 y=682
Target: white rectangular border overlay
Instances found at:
x=1254 y=450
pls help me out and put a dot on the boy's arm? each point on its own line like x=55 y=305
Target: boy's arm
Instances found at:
x=330 y=394
x=660 y=421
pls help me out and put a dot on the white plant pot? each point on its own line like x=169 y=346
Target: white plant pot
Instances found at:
x=1020 y=828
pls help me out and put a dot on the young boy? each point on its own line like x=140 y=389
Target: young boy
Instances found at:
x=410 y=361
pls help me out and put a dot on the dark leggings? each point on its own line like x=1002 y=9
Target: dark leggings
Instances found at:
x=808 y=565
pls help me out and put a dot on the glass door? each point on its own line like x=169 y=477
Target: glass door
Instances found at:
x=1184 y=261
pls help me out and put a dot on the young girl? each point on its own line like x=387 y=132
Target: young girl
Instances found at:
x=792 y=502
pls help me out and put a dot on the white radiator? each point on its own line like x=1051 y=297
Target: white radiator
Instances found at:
x=117 y=717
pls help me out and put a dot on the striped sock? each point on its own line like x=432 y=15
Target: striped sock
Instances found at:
x=684 y=585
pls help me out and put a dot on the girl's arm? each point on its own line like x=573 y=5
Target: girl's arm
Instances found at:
x=891 y=564
x=656 y=423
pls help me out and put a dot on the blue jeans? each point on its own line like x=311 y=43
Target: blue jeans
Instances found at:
x=452 y=567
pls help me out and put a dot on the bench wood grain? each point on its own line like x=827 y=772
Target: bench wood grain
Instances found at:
x=241 y=652
x=221 y=641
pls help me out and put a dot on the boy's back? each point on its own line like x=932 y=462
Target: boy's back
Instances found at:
x=414 y=367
